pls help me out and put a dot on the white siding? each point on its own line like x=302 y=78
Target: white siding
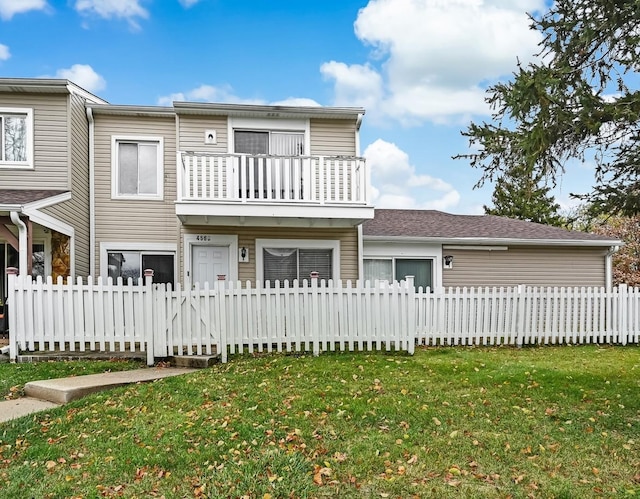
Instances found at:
x=333 y=137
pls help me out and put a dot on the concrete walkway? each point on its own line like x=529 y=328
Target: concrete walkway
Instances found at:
x=47 y=394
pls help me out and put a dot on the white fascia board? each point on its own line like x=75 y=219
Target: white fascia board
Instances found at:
x=50 y=222
x=496 y=241
x=46 y=202
x=263 y=210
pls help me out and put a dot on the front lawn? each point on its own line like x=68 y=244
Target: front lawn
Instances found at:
x=448 y=422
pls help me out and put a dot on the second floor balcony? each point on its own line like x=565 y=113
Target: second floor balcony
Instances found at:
x=321 y=190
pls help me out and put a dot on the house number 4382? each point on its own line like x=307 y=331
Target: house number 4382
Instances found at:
x=203 y=238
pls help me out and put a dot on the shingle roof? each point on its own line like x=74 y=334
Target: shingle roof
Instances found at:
x=25 y=196
x=437 y=224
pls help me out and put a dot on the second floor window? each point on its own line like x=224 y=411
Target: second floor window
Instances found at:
x=15 y=137
x=263 y=142
x=137 y=168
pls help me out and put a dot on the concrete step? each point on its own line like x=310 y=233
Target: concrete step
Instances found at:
x=63 y=390
x=194 y=361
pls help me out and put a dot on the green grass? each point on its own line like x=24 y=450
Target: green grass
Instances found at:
x=13 y=377
x=452 y=422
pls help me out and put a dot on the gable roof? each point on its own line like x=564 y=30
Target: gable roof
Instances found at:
x=11 y=199
x=443 y=227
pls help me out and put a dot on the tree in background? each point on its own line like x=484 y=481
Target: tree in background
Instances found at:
x=577 y=101
x=626 y=262
x=524 y=195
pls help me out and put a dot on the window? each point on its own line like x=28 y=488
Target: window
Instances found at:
x=280 y=259
x=297 y=263
x=397 y=269
x=137 y=167
x=16 y=136
x=132 y=264
x=266 y=142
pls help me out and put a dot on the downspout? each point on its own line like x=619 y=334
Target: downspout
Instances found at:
x=609 y=266
x=92 y=195
x=22 y=239
x=360 y=254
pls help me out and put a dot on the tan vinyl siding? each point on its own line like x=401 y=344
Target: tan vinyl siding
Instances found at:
x=533 y=266
x=333 y=137
x=133 y=221
x=191 y=133
x=247 y=238
x=50 y=142
x=76 y=211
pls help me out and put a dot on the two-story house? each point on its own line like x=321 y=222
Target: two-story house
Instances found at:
x=44 y=177
x=204 y=192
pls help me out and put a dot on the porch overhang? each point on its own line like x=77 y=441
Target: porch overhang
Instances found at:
x=272 y=215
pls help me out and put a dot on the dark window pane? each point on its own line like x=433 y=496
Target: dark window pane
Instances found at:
x=162 y=266
x=420 y=269
x=37 y=260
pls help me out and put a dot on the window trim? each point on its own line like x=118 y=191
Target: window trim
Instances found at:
x=29 y=164
x=115 y=170
x=153 y=248
x=333 y=244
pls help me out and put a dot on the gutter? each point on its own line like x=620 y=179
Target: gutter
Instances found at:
x=495 y=241
x=22 y=238
x=92 y=194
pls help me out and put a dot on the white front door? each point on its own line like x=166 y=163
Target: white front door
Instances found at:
x=208 y=263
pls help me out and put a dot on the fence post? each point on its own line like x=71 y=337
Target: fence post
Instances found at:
x=150 y=317
x=315 y=326
x=521 y=297
x=623 y=307
x=412 y=322
x=12 y=272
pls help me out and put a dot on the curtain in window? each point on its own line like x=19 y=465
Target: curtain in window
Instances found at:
x=379 y=269
x=138 y=168
x=280 y=264
x=291 y=263
x=316 y=260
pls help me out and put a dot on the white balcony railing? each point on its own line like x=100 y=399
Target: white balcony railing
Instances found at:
x=272 y=179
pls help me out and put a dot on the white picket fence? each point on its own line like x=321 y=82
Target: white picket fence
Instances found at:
x=160 y=321
x=97 y=315
x=529 y=315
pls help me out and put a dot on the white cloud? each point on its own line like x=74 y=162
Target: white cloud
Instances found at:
x=4 y=52
x=110 y=9
x=397 y=185
x=225 y=94
x=296 y=101
x=9 y=8
x=84 y=76
x=355 y=85
x=431 y=59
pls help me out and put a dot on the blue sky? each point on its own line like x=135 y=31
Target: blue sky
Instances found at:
x=419 y=68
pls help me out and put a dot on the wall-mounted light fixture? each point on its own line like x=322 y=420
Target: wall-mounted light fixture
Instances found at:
x=448 y=261
x=243 y=255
